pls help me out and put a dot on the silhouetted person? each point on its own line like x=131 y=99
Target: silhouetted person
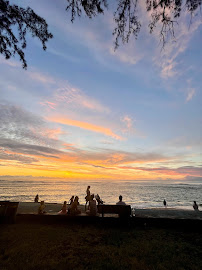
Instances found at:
x=36 y=199
x=98 y=199
x=88 y=191
x=63 y=211
x=195 y=206
x=74 y=207
x=92 y=208
x=120 y=202
x=87 y=196
x=41 y=208
x=71 y=200
x=164 y=203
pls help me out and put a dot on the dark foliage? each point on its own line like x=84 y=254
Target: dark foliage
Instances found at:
x=167 y=12
x=163 y=12
x=90 y=7
x=26 y=20
x=126 y=21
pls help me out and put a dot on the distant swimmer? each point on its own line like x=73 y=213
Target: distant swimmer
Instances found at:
x=195 y=206
x=164 y=203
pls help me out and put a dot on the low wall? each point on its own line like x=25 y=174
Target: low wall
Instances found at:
x=181 y=224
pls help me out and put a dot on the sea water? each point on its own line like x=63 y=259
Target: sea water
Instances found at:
x=139 y=194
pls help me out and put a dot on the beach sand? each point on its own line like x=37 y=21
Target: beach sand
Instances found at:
x=54 y=208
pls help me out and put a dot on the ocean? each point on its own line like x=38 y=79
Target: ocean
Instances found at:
x=139 y=194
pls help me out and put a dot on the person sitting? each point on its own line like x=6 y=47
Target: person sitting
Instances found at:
x=195 y=206
x=120 y=202
x=92 y=211
x=73 y=210
x=98 y=199
x=36 y=199
x=122 y=214
x=41 y=208
x=71 y=200
x=63 y=211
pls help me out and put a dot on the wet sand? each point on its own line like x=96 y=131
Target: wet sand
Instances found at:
x=54 y=208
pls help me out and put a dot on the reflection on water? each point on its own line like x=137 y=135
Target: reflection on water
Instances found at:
x=138 y=194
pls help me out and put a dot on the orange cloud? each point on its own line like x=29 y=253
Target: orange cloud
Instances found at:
x=85 y=125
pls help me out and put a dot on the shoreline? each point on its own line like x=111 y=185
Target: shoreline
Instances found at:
x=172 y=213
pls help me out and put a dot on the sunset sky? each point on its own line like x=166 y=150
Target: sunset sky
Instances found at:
x=84 y=111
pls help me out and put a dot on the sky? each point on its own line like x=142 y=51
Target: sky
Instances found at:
x=83 y=110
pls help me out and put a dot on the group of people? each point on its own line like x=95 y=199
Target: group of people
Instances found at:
x=89 y=197
x=90 y=206
x=71 y=208
x=91 y=202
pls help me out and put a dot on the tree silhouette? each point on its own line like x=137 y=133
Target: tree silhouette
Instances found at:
x=25 y=20
x=127 y=22
x=165 y=12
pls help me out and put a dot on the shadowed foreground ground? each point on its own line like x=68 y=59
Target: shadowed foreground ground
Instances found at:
x=75 y=246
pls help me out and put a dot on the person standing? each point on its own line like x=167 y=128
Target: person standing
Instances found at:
x=195 y=206
x=88 y=192
x=87 y=196
x=165 y=203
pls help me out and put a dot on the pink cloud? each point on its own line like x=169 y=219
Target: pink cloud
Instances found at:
x=48 y=104
x=85 y=125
